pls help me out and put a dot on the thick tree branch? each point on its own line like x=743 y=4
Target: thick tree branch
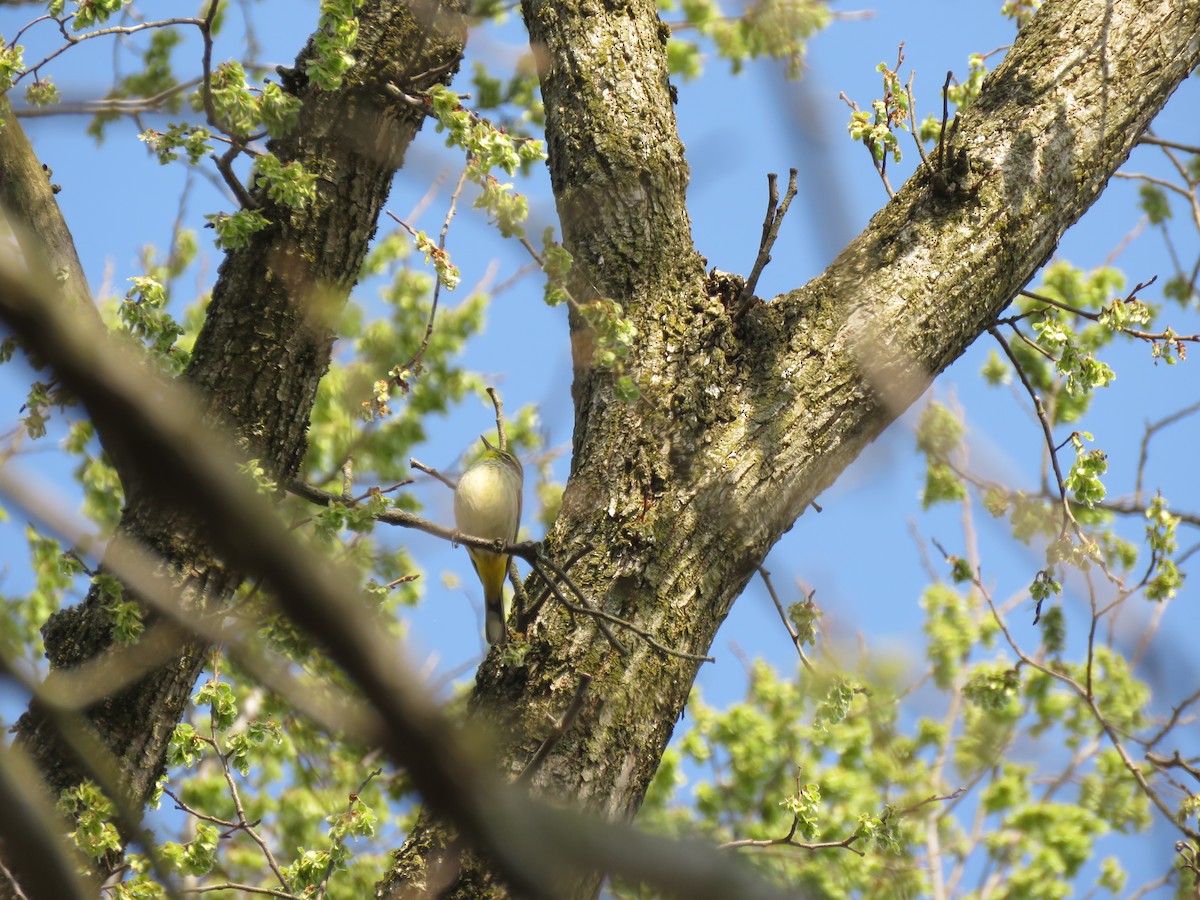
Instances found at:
x=617 y=166
x=934 y=269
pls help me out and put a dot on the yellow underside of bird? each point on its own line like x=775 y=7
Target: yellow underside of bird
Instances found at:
x=487 y=504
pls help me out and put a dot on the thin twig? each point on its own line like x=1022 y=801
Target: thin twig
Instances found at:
x=498 y=404
x=912 y=117
x=229 y=826
x=520 y=598
x=224 y=162
x=1159 y=142
x=414 y=364
x=945 y=115
x=558 y=731
x=420 y=206
x=354 y=798
x=933 y=798
x=1090 y=701
x=73 y=39
x=1152 y=429
x=245 y=888
x=11 y=881
x=1095 y=317
x=584 y=607
x=789 y=840
x=118 y=106
x=572 y=304
x=791 y=629
x=1045 y=423
x=1157 y=182
x=243 y=823
x=526 y=616
x=870 y=145
x=327 y=498
x=1175 y=761
x=1176 y=712
x=776 y=210
x=429 y=470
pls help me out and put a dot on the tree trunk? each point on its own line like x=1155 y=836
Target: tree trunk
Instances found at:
x=742 y=422
x=263 y=349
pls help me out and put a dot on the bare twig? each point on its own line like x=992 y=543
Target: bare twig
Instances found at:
x=1044 y=419
x=790 y=842
x=499 y=407
x=121 y=30
x=912 y=118
x=429 y=470
x=797 y=642
x=776 y=210
x=244 y=888
x=117 y=106
x=228 y=825
x=414 y=364
x=243 y=823
x=520 y=598
x=584 y=607
x=10 y=881
x=1159 y=142
x=934 y=798
x=1152 y=429
x=558 y=731
x=526 y=616
x=1176 y=712
x=789 y=839
x=941 y=147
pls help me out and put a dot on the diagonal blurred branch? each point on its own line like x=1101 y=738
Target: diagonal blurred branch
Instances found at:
x=30 y=829
x=27 y=197
x=532 y=846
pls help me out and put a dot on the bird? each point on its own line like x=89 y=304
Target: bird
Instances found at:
x=487 y=504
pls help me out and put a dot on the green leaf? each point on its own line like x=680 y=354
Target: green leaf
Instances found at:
x=235 y=230
x=218 y=696
x=1154 y=203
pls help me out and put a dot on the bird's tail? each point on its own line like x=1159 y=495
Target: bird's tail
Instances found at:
x=492 y=569
x=494 y=625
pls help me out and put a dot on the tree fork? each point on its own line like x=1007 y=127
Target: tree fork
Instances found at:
x=741 y=425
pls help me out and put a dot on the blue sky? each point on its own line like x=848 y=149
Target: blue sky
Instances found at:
x=859 y=553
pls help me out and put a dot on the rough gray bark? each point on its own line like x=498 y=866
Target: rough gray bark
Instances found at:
x=257 y=363
x=742 y=423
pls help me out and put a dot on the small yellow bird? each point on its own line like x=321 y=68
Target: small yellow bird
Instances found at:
x=487 y=504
